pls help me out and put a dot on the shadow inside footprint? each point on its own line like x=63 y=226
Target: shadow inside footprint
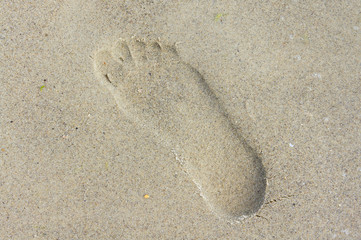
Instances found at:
x=156 y=89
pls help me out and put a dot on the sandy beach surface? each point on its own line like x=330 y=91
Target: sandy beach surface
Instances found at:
x=180 y=119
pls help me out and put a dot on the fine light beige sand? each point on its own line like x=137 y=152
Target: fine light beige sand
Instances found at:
x=180 y=119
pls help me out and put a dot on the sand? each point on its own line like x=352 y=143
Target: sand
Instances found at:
x=262 y=142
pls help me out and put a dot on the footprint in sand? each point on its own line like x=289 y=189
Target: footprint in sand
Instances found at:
x=171 y=100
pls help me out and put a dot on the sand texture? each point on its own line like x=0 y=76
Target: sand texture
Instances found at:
x=180 y=119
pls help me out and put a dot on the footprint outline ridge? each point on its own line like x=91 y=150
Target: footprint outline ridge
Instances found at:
x=169 y=98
